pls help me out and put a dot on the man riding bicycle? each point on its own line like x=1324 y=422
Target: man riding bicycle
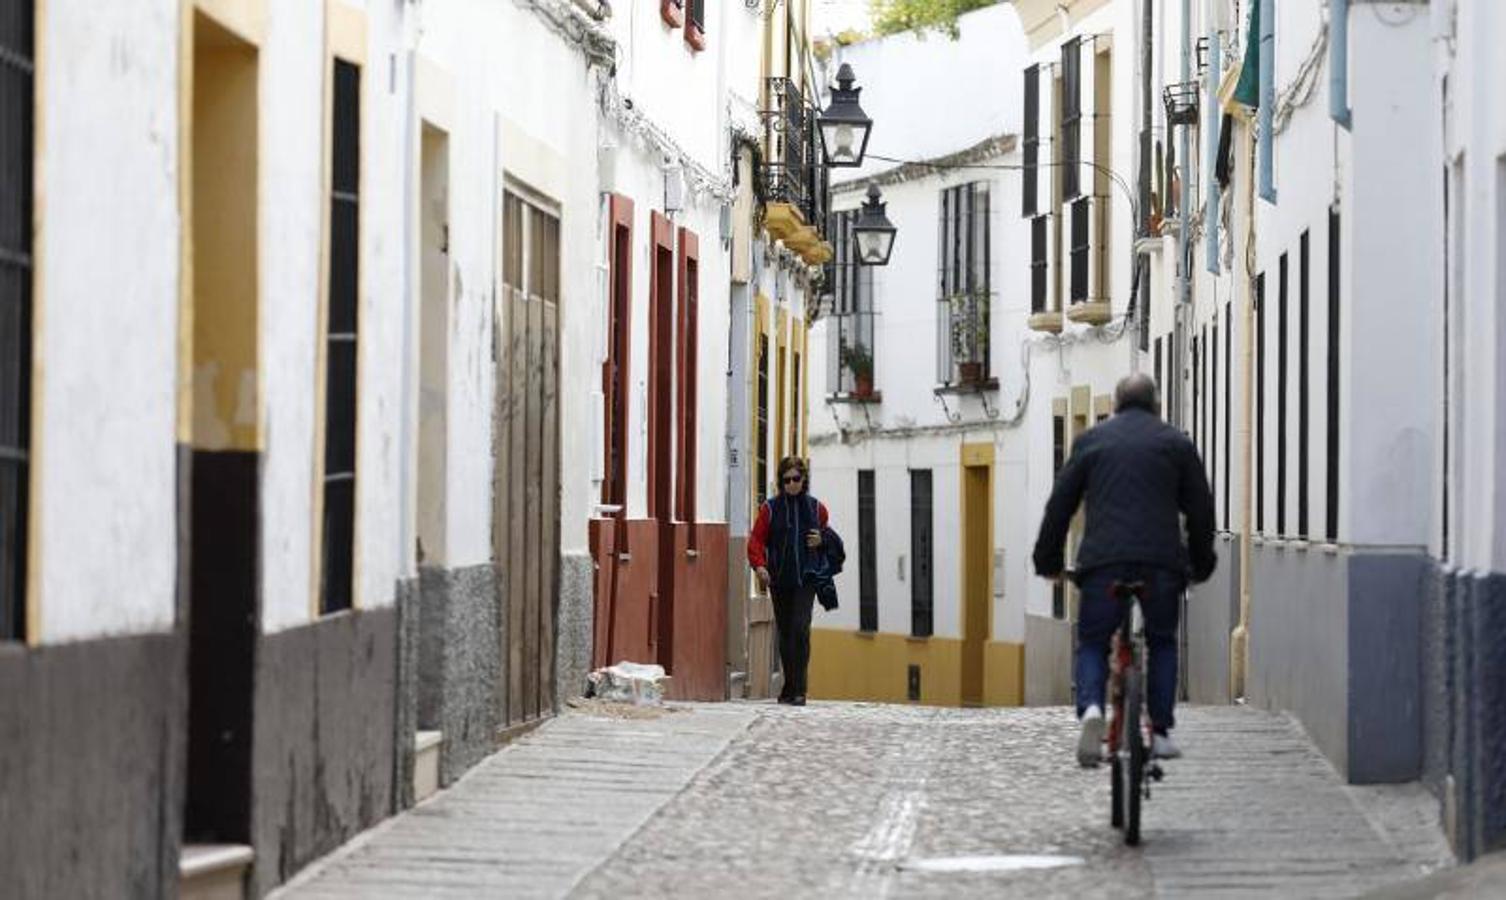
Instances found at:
x=1139 y=476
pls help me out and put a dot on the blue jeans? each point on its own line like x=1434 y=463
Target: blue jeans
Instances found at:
x=1100 y=615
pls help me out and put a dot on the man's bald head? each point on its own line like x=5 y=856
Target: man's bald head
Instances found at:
x=1137 y=391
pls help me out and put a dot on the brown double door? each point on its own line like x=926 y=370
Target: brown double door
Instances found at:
x=525 y=533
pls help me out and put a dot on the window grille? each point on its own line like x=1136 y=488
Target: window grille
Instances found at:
x=921 y=593
x=1032 y=143
x=1081 y=246
x=1071 y=118
x=1040 y=249
x=16 y=125
x=964 y=292
x=337 y=571
x=850 y=362
x=1331 y=487
x=867 y=552
x=697 y=10
x=1303 y=372
x=1282 y=365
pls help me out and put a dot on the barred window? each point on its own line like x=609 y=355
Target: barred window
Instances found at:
x=964 y=290
x=1040 y=248
x=850 y=349
x=336 y=589
x=1032 y=142
x=1071 y=114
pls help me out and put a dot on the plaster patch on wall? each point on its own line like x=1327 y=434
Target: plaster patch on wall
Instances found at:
x=245 y=408
x=209 y=431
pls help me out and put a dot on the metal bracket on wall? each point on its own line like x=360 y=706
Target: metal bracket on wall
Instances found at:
x=953 y=417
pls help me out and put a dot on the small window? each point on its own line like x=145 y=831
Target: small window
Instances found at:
x=1303 y=372
x=1039 y=264
x=336 y=590
x=867 y=552
x=922 y=618
x=1282 y=367
x=1081 y=246
x=1071 y=118
x=761 y=445
x=16 y=126
x=1331 y=487
x=1032 y=142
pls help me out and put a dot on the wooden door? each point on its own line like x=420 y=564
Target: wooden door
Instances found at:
x=975 y=580
x=525 y=539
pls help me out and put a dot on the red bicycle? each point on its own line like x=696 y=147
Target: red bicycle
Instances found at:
x=1131 y=767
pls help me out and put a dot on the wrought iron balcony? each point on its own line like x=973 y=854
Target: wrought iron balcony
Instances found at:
x=792 y=172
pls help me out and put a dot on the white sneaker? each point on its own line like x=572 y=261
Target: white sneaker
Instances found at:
x=1090 y=741
x=1163 y=747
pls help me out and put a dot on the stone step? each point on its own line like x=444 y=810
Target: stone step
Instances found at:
x=214 y=871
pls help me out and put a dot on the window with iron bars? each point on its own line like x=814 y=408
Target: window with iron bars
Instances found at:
x=850 y=349
x=1040 y=258
x=964 y=293
x=1071 y=114
x=1032 y=142
x=17 y=74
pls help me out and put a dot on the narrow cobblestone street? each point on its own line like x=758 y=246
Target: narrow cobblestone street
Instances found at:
x=867 y=800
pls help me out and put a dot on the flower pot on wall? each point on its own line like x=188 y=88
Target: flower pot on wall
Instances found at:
x=970 y=372
x=862 y=386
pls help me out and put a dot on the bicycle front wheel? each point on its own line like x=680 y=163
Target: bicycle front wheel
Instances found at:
x=1132 y=756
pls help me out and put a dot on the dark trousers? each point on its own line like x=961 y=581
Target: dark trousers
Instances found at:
x=1100 y=616
x=792 y=616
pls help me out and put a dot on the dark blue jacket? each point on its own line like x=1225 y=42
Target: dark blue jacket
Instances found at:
x=778 y=538
x=1137 y=476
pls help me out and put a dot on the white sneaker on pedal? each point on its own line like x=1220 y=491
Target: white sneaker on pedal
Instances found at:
x=1090 y=741
x=1163 y=747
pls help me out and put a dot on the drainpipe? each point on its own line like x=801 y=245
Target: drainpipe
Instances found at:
x=1239 y=640
x=1184 y=280
x=1338 y=63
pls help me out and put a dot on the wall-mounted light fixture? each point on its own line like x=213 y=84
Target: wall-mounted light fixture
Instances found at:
x=844 y=127
x=873 y=233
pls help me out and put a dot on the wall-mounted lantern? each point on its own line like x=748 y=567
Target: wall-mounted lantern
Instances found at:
x=844 y=126
x=873 y=233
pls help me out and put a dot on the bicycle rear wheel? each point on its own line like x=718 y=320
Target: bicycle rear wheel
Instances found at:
x=1132 y=740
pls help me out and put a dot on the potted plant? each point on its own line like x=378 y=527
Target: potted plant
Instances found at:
x=969 y=338
x=860 y=363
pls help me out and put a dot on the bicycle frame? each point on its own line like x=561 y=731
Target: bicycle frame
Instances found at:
x=1126 y=652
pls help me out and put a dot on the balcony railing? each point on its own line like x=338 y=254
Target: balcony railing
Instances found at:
x=792 y=172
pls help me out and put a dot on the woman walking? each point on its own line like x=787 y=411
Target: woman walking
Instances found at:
x=786 y=535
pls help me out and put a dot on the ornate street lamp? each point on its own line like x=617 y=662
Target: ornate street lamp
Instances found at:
x=844 y=127
x=873 y=233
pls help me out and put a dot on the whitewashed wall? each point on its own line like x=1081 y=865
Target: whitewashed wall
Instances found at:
x=293 y=198
x=1475 y=141
x=107 y=320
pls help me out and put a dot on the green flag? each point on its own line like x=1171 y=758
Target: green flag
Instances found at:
x=1247 y=91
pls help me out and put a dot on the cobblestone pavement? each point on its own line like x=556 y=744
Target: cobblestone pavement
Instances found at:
x=868 y=800
x=861 y=800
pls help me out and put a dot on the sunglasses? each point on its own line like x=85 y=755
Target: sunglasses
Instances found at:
x=793 y=479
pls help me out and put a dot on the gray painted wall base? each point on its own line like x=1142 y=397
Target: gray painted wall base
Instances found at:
x=1048 y=661
x=1334 y=638
x=1464 y=703
x=92 y=755
x=1212 y=614
x=323 y=751
x=405 y=689
x=574 y=637
x=459 y=663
